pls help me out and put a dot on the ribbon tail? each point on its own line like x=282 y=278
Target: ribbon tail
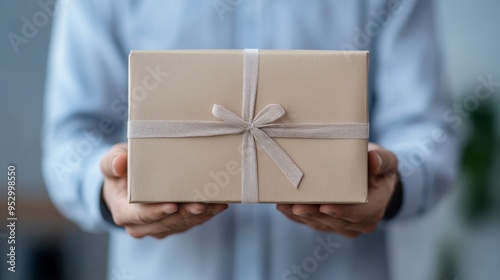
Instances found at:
x=249 y=175
x=280 y=158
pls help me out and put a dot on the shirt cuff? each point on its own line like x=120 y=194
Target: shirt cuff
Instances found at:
x=413 y=190
x=395 y=202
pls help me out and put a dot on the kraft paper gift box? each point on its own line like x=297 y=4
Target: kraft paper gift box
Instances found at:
x=268 y=126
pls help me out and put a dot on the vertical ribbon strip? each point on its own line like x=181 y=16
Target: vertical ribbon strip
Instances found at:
x=260 y=128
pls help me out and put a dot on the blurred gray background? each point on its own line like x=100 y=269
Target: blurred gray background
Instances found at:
x=459 y=240
x=47 y=246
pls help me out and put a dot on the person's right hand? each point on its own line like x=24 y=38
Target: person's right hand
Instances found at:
x=156 y=219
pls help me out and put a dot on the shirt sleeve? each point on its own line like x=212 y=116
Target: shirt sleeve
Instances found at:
x=409 y=103
x=85 y=106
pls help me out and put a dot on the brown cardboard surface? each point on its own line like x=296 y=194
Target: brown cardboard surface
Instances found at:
x=312 y=86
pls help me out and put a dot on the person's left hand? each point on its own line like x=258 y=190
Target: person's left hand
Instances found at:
x=353 y=219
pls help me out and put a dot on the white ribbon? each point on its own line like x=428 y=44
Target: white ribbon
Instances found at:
x=259 y=128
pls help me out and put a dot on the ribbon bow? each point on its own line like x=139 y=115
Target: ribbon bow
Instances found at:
x=252 y=130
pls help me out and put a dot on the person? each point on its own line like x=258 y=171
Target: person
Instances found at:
x=411 y=154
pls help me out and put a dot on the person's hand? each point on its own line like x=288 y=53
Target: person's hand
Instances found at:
x=157 y=219
x=353 y=219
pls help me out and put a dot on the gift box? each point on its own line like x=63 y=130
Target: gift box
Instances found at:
x=251 y=126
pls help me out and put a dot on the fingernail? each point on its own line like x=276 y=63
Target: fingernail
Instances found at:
x=170 y=211
x=379 y=162
x=113 y=164
x=196 y=211
x=304 y=214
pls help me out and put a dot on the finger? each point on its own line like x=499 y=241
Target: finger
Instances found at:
x=114 y=163
x=378 y=197
x=353 y=213
x=310 y=211
x=381 y=162
x=304 y=213
x=106 y=164
x=299 y=211
x=193 y=208
x=176 y=223
x=285 y=208
x=332 y=223
x=312 y=223
x=172 y=224
x=202 y=218
x=219 y=207
x=189 y=215
x=306 y=210
x=190 y=209
x=132 y=214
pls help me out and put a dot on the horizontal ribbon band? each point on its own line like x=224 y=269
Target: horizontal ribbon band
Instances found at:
x=180 y=129
x=260 y=128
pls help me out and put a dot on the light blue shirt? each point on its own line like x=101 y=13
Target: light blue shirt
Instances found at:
x=86 y=113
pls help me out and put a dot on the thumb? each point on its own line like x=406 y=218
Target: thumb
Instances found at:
x=381 y=161
x=119 y=164
x=114 y=163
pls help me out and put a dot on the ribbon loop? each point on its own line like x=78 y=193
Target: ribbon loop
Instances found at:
x=269 y=114
x=227 y=116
